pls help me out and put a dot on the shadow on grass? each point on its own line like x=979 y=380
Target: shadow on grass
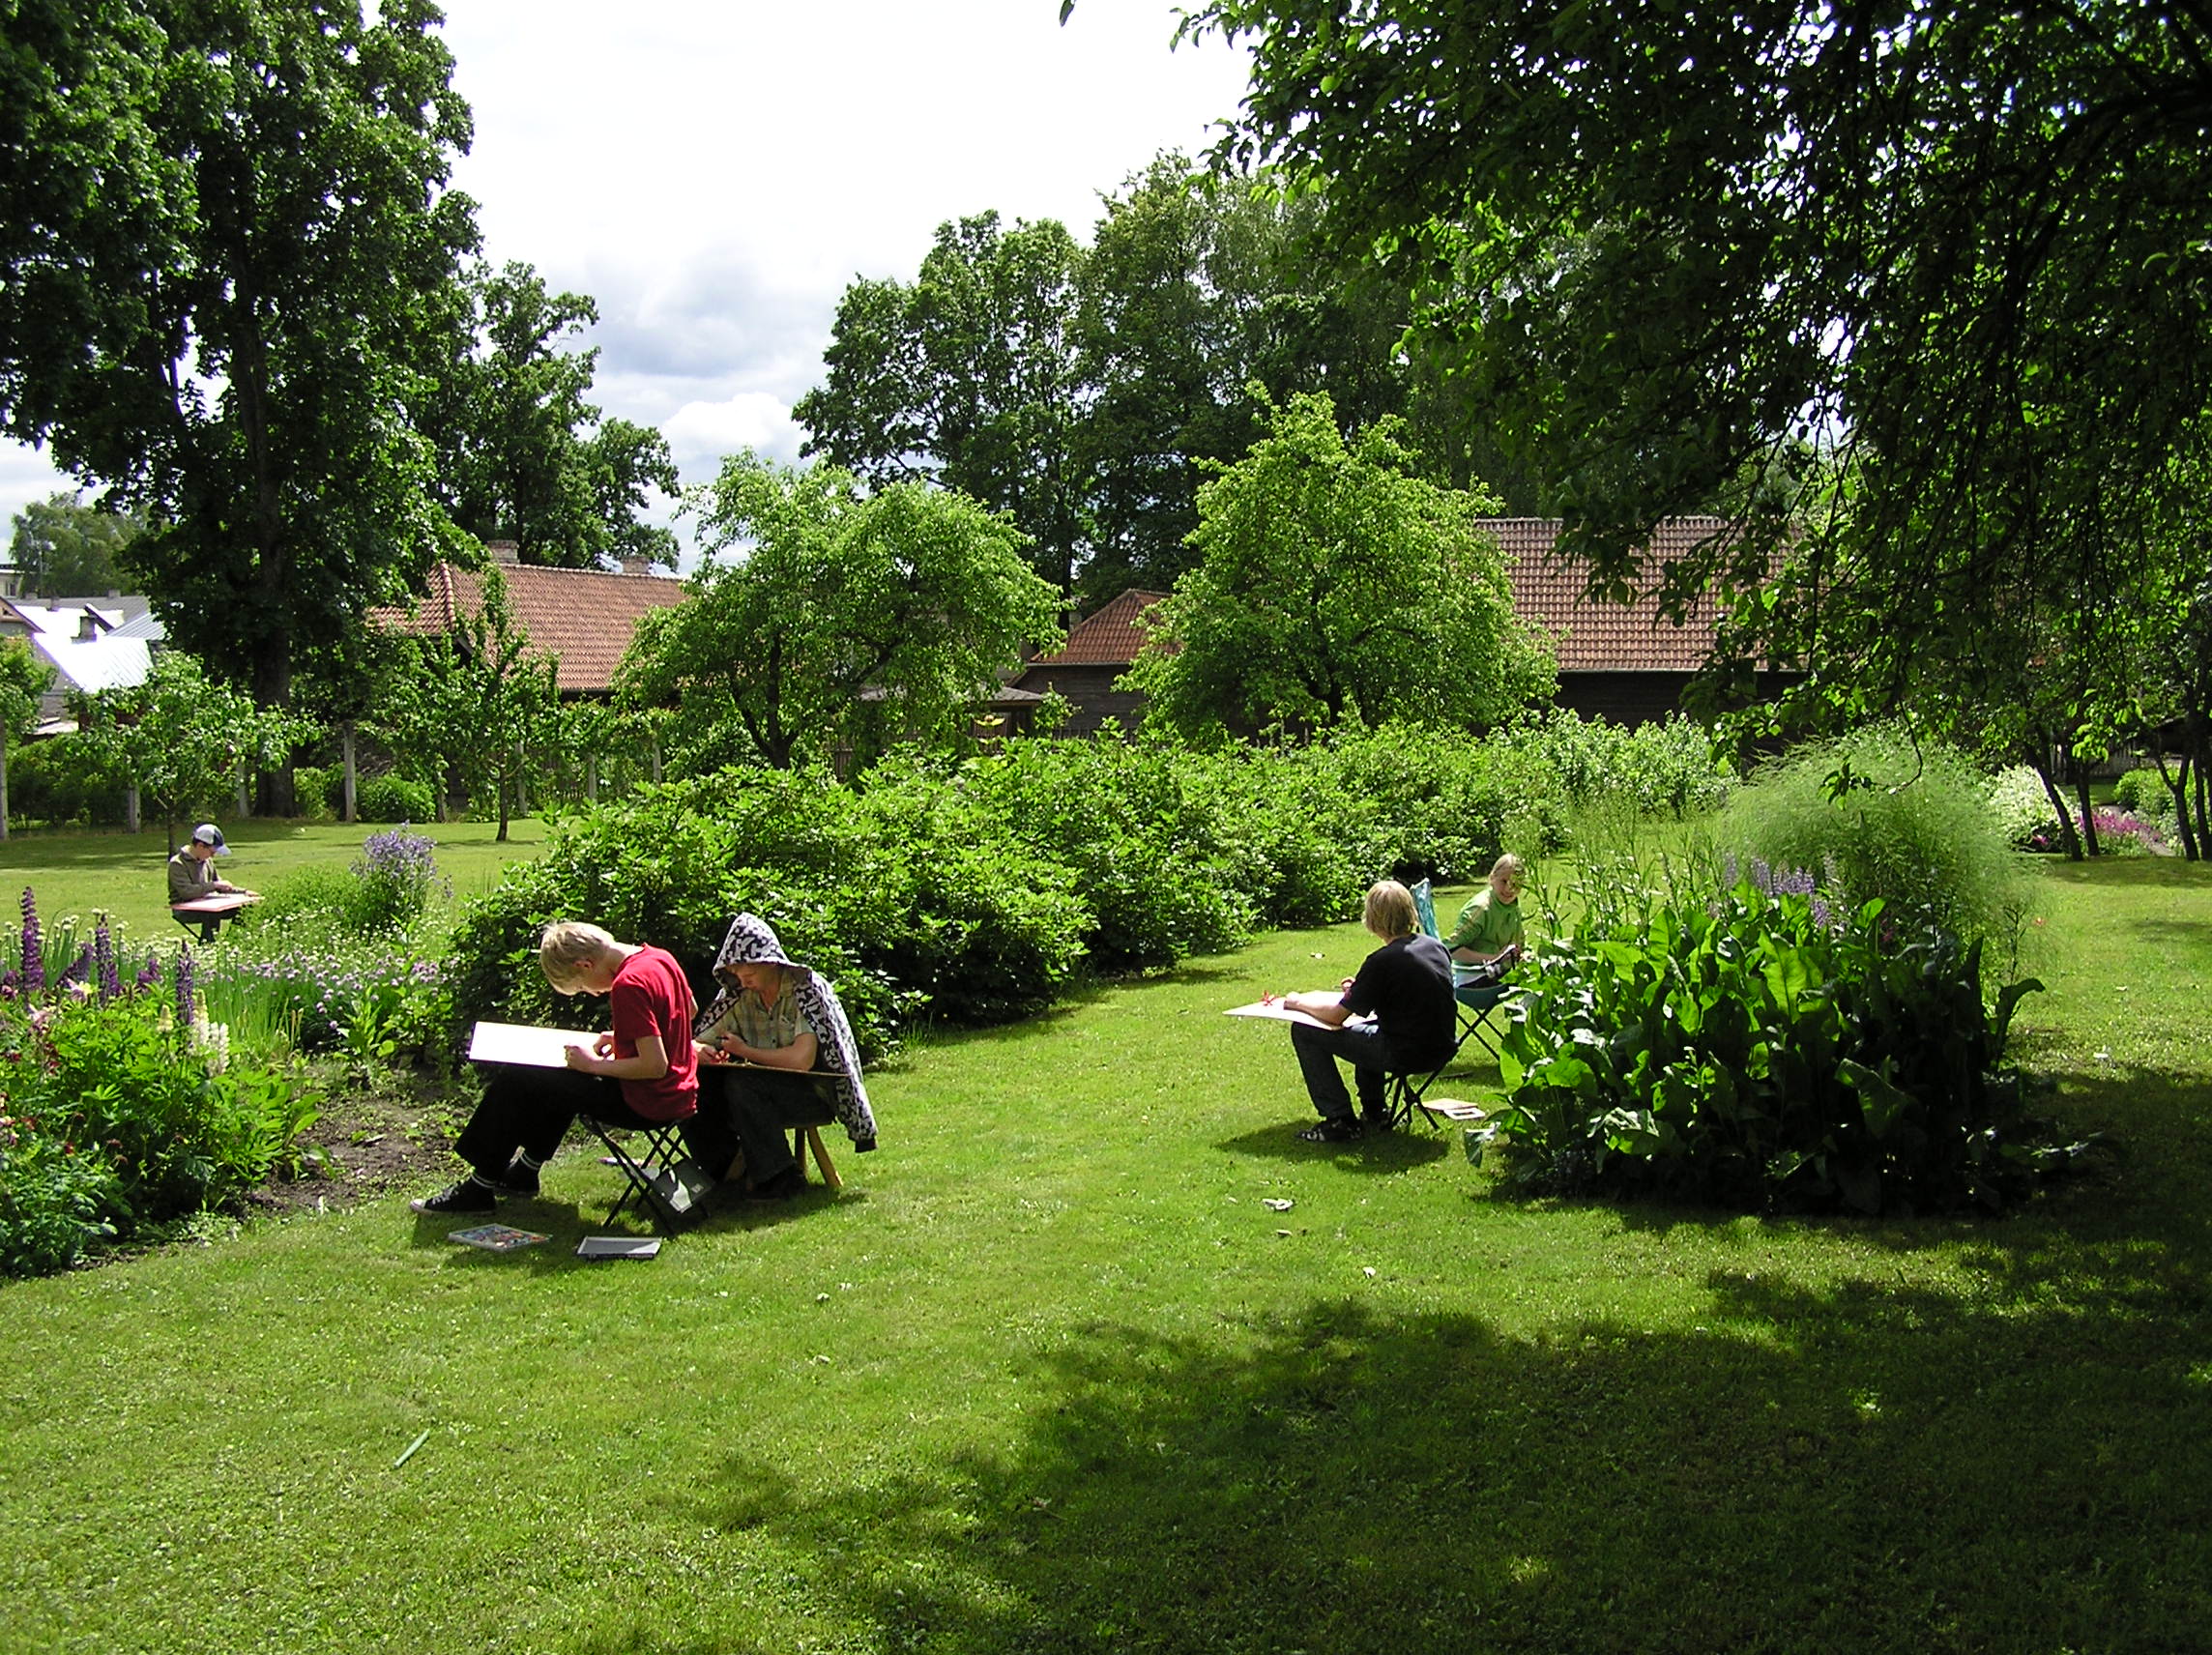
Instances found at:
x=1373 y=1152
x=2020 y=1467
x=2132 y=871
x=2191 y=936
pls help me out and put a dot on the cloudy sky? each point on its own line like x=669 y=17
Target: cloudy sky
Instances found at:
x=714 y=172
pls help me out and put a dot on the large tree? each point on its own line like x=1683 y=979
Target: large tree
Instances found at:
x=231 y=327
x=1333 y=585
x=64 y=548
x=1961 y=242
x=847 y=620
x=965 y=377
x=523 y=453
x=1083 y=389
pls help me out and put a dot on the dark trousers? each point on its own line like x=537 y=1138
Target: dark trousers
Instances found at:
x=1368 y=1050
x=763 y=1105
x=531 y=1110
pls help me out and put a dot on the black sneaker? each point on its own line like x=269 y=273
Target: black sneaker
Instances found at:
x=1336 y=1129
x=517 y=1180
x=1374 y=1121
x=783 y=1186
x=465 y=1196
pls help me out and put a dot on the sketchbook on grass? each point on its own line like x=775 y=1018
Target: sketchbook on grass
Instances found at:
x=497 y=1237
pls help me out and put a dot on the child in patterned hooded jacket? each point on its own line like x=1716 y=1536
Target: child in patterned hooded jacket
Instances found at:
x=777 y=1047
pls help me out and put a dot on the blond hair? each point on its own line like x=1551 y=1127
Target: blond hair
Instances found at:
x=1509 y=863
x=1388 y=911
x=569 y=947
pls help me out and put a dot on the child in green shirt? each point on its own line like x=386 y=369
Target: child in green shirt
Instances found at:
x=1490 y=924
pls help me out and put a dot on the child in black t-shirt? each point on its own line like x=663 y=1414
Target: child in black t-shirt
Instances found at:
x=1403 y=999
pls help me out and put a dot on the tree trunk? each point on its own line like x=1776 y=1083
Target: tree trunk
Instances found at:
x=131 y=811
x=3 y=786
x=2088 y=816
x=2203 y=825
x=346 y=814
x=2177 y=788
x=2067 y=840
x=591 y=783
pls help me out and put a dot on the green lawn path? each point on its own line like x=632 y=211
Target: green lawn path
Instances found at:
x=1053 y=1377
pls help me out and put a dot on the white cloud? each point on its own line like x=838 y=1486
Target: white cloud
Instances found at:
x=714 y=172
x=701 y=433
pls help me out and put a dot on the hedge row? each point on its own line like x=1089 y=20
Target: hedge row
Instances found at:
x=973 y=892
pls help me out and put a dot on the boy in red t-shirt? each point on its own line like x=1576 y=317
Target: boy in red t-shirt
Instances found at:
x=643 y=1071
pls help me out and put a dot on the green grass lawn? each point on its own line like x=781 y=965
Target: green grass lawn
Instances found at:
x=1054 y=1375
x=85 y=874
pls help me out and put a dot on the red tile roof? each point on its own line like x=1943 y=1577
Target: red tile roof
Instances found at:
x=584 y=617
x=1111 y=637
x=1607 y=637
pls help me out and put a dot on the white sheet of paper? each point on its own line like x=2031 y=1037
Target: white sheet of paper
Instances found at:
x=1278 y=1012
x=525 y=1044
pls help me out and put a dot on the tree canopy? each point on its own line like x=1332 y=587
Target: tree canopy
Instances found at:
x=1080 y=389
x=847 y=620
x=1957 y=247
x=228 y=249
x=522 y=453
x=184 y=743
x=1334 y=584
x=64 y=548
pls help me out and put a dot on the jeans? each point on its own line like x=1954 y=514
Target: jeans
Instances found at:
x=766 y=1103
x=1367 y=1046
x=530 y=1109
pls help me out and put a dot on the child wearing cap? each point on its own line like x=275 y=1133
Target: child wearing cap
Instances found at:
x=192 y=875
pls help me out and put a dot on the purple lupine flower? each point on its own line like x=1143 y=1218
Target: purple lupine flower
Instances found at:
x=34 y=949
x=184 y=985
x=150 y=972
x=80 y=968
x=104 y=960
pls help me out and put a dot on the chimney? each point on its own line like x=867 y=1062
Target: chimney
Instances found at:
x=637 y=566
x=504 y=551
x=87 y=626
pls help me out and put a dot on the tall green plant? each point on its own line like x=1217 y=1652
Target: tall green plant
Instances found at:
x=1766 y=1049
x=1909 y=823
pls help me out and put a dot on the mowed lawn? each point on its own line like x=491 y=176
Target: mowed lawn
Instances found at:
x=81 y=875
x=1055 y=1375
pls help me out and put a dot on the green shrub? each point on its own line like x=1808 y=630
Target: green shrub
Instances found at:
x=53 y=1195
x=314 y=791
x=1663 y=769
x=903 y=896
x=1765 y=1049
x=307 y=904
x=2020 y=809
x=1415 y=803
x=393 y=798
x=1911 y=826
x=1140 y=829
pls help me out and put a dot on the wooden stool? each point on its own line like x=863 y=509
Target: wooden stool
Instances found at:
x=804 y=1138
